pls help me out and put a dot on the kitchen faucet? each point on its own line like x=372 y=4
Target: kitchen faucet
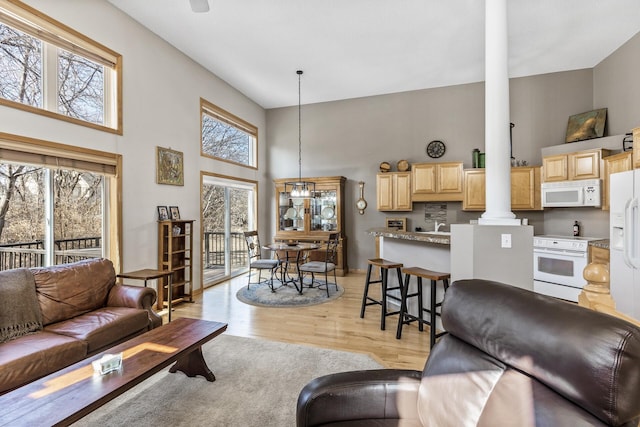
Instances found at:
x=438 y=225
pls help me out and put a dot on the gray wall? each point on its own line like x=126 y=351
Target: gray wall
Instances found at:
x=352 y=137
x=477 y=252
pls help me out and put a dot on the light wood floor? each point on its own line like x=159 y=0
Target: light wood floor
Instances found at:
x=336 y=324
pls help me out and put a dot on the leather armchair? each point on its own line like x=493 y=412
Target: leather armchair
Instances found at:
x=511 y=358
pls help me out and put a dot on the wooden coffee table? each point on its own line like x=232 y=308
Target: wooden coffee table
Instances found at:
x=73 y=392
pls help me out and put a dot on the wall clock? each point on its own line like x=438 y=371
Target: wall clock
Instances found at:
x=435 y=149
x=361 y=204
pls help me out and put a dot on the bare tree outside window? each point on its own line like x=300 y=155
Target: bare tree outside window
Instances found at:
x=80 y=88
x=77 y=204
x=20 y=67
x=21 y=203
x=77 y=215
x=224 y=141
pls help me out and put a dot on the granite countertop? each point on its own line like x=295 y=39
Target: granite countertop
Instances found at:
x=602 y=243
x=427 y=237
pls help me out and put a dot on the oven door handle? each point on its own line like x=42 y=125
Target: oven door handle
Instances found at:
x=568 y=253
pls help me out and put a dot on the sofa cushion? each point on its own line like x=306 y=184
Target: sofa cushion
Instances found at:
x=103 y=327
x=19 y=309
x=30 y=357
x=69 y=290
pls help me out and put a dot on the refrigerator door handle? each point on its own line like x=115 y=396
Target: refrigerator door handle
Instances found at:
x=631 y=258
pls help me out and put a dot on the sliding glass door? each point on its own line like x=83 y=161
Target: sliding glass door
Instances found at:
x=227 y=210
x=49 y=216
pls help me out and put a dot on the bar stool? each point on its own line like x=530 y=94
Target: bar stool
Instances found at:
x=384 y=266
x=406 y=318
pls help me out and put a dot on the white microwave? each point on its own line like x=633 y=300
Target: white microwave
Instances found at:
x=564 y=194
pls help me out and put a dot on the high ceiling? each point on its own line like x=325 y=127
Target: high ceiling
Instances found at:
x=357 y=48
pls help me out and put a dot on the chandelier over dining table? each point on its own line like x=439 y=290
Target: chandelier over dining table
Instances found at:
x=300 y=189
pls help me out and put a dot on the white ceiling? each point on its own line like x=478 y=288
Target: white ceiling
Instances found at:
x=356 y=48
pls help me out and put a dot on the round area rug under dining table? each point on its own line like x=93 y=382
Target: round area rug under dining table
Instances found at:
x=287 y=296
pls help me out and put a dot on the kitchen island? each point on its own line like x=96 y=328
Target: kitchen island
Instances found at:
x=428 y=250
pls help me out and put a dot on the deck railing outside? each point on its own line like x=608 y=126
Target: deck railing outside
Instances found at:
x=214 y=247
x=32 y=254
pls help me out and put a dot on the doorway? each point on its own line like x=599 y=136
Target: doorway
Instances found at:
x=227 y=211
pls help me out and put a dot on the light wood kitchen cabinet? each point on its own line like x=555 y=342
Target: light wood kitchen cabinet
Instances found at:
x=474 y=190
x=555 y=168
x=613 y=164
x=525 y=189
x=573 y=166
x=394 y=191
x=436 y=182
x=636 y=148
x=312 y=220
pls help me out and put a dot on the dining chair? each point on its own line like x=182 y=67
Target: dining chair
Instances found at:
x=329 y=263
x=256 y=262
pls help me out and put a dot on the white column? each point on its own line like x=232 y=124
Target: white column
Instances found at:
x=497 y=151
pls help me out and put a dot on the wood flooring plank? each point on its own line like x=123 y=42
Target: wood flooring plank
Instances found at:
x=335 y=325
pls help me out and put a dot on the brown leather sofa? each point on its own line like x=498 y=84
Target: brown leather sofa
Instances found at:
x=83 y=311
x=511 y=358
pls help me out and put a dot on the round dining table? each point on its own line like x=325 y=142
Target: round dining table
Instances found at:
x=288 y=254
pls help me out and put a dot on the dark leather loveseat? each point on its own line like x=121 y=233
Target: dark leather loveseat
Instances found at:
x=511 y=358
x=76 y=310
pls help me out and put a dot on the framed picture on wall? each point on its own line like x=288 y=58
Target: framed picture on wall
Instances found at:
x=587 y=125
x=163 y=213
x=175 y=212
x=169 y=166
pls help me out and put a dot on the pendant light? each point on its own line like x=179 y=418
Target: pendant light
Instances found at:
x=300 y=189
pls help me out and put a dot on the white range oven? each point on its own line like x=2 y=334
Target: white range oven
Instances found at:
x=558 y=262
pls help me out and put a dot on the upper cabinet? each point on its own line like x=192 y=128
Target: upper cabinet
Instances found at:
x=613 y=164
x=573 y=166
x=435 y=182
x=525 y=189
x=394 y=191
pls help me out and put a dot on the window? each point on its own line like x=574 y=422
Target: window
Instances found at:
x=58 y=204
x=227 y=137
x=49 y=69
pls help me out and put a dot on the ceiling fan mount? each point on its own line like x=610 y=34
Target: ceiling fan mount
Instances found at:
x=199 y=6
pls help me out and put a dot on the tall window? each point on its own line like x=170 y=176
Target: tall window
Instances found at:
x=58 y=204
x=49 y=69
x=228 y=210
x=227 y=137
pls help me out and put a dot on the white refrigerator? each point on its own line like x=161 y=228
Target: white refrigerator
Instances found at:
x=624 y=243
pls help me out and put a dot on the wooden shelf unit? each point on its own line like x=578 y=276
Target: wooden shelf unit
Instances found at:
x=175 y=252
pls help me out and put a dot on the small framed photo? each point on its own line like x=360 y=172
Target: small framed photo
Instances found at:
x=163 y=213
x=175 y=212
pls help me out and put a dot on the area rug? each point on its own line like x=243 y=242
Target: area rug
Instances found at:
x=257 y=384
x=287 y=296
